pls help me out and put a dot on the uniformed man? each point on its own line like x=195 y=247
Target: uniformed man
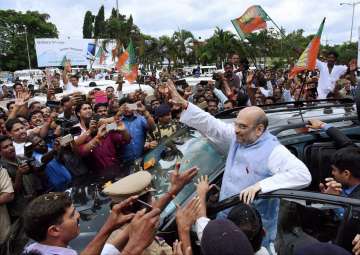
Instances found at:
x=139 y=184
x=165 y=126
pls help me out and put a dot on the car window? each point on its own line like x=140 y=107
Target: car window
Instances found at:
x=190 y=148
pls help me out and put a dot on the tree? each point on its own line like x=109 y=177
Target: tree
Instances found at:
x=183 y=40
x=168 y=49
x=13 y=51
x=99 y=28
x=88 y=26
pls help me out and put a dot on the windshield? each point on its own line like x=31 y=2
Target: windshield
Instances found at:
x=190 y=148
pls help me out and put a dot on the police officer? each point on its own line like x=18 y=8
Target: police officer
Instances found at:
x=165 y=126
x=139 y=184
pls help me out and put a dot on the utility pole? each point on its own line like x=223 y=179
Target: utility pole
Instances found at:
x=353 y=4
x=27 y=47
x=117 y=8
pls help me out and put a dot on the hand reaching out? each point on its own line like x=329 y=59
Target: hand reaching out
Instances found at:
x=179 y=180
x=331 y=187
x=22 y=98
x=142 y=230
x=353 y=65
x=176 y=98
x=177 y=250
x=356 y=243
x=202 y=186
x=186 y=216
x=119 y=214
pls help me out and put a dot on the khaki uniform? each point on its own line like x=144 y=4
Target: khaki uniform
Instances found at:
x=158 y=247
x=163 y=131
x=138 y=183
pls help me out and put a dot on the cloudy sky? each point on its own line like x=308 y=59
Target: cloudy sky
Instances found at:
x=158 y=17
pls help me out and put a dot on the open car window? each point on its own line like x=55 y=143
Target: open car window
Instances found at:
x=190 y=148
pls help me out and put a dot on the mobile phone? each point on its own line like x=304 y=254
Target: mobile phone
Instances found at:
x=132 y=107
x=111 y=126
x=28 y=149
x=139 y=204
x=52 y=104
x=66 y=139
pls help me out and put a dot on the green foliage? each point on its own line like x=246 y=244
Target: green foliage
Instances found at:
x=88 y=26
x=13 y=24
x=268 y=47
x=99 y=27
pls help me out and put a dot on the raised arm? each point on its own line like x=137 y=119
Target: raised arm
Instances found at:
x=193 y=116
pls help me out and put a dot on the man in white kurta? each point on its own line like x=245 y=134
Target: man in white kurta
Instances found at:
x=256 y=160
x=329 y=74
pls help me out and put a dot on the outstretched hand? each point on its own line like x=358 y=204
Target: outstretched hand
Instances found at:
x=179 y=180
x=176 y=98
x=142 y=230
x=353 y=65
x=186 y=216
x=356 y=244
x=119 y=213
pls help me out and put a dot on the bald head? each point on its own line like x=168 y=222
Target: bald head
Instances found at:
x=250 y=124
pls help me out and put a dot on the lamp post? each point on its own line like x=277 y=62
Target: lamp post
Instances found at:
x=353 y=4
x=27 y=47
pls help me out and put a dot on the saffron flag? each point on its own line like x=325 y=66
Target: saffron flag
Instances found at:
x=253 y=19
x=127 y=63
x=307 y=60
x=101 y=55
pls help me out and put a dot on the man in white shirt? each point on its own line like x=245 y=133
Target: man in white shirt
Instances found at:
x=17 y=132
x=71 y=85
x=329 y=74
x=256 y=160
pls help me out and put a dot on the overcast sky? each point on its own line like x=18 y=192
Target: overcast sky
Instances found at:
x=158 y=17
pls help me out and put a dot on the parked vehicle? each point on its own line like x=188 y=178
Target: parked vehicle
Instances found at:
x=310 y=210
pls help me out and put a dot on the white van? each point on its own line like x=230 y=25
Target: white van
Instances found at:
x=32 y=75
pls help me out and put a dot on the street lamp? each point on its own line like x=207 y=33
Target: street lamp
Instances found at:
x=353 y=4
x=27 y=47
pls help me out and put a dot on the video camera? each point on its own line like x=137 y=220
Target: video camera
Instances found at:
x=68 y=127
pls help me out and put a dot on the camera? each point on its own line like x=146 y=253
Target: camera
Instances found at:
x=216 y=76
x=68 y=127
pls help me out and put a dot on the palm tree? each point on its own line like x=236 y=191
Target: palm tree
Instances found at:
x=184 y=41
x=222 y=43
x=168 y=49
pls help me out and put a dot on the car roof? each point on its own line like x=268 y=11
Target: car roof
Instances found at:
x=289 y=116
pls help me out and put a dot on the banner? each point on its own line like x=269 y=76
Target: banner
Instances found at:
x=79 y=52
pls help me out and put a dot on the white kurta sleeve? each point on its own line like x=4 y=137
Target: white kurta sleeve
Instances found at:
x=319 y=65
x=218 y=131
x=288 y=171
x=200 y=226
x=110 y=249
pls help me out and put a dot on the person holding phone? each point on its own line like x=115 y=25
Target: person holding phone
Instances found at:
x=138 y=122
x=25 y=182
x=101 y=146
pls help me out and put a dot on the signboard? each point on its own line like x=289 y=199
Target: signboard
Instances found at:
x=80 y=52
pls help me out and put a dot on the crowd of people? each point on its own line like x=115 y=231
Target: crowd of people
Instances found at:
x=44 y=147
